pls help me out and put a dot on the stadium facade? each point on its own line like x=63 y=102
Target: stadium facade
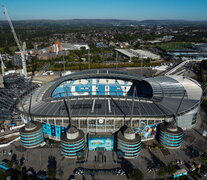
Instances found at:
x=103 y=101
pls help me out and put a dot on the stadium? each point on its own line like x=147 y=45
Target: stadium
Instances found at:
x=100 y=102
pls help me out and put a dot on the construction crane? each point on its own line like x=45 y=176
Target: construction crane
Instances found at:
x=2 y=66
x=24 y=49
x=17 y=41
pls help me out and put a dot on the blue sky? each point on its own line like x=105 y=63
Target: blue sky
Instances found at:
x=106 y=9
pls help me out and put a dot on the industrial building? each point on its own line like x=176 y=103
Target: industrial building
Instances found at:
x=142 y=54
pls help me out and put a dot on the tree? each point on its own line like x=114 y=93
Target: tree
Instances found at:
x=51 y=172
x=203 y=158
x=9 y=65
x=162 y=171
x=52 y=166
x=136 y=174
x=137 y=45
x=7 y=50
x=135 y=59
x=171 y=169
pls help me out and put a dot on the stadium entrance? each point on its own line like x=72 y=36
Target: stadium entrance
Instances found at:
x=100 y=142
x=101 y=146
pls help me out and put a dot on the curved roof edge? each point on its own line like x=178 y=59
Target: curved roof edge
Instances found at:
x=162 y=86
x=174 y=86
x=191 y=86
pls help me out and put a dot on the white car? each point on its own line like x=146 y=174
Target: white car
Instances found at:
x=192 y=168
x=48 y=73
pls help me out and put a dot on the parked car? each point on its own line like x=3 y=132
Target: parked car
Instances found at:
x=203 y=174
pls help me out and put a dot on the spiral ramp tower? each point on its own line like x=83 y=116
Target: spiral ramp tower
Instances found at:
x=72 y=142
x=170 y=136
x=31 y=135
x=128 y=143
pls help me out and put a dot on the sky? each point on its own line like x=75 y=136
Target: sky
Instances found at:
x=106 y=9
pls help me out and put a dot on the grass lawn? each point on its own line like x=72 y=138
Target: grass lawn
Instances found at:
x=13 y=48
x=175 y=45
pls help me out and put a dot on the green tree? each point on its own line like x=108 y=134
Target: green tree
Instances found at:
x=51 y=172
x=136 y=60
x=163 y=171
x=52 y=166
x=7 y=50
x=171 y=169
x=136 y=174
x=203 y=158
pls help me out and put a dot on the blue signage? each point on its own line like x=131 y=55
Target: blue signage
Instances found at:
x=105 y=142
x=93 y=87
x=53 y=130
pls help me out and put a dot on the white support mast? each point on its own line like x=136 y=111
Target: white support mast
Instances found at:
x=17 y=41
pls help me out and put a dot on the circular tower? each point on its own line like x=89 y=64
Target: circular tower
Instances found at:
x=170 y=135
x=128 y=143
x=72 y=142
x=31 y=135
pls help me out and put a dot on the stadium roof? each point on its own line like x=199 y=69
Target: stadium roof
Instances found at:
x=170 y=95
x=112 y=106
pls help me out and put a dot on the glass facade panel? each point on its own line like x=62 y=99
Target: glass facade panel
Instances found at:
x=75 y=123
x=150 y=122
x=118 y=124
x=44 y=120
x=58 y=122
x=51 y=121
x=110 y=124
x=92 y=124
x=83 y=123
x=143 y=123
x=135 y=123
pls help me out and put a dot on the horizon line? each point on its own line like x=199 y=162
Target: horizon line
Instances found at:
x=104 y=19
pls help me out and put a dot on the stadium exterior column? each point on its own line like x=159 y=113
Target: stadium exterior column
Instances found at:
x=87 y=122
x=105 y=124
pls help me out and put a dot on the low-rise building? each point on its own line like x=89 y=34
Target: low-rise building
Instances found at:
x=143 y=54
x=17 y=60
x=52 y=55
x=69 y=46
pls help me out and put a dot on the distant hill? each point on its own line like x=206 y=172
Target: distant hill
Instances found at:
x=172 y=22
x=103 y=22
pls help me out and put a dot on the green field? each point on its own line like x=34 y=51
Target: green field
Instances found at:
x=175 y=45
x=13 y=48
